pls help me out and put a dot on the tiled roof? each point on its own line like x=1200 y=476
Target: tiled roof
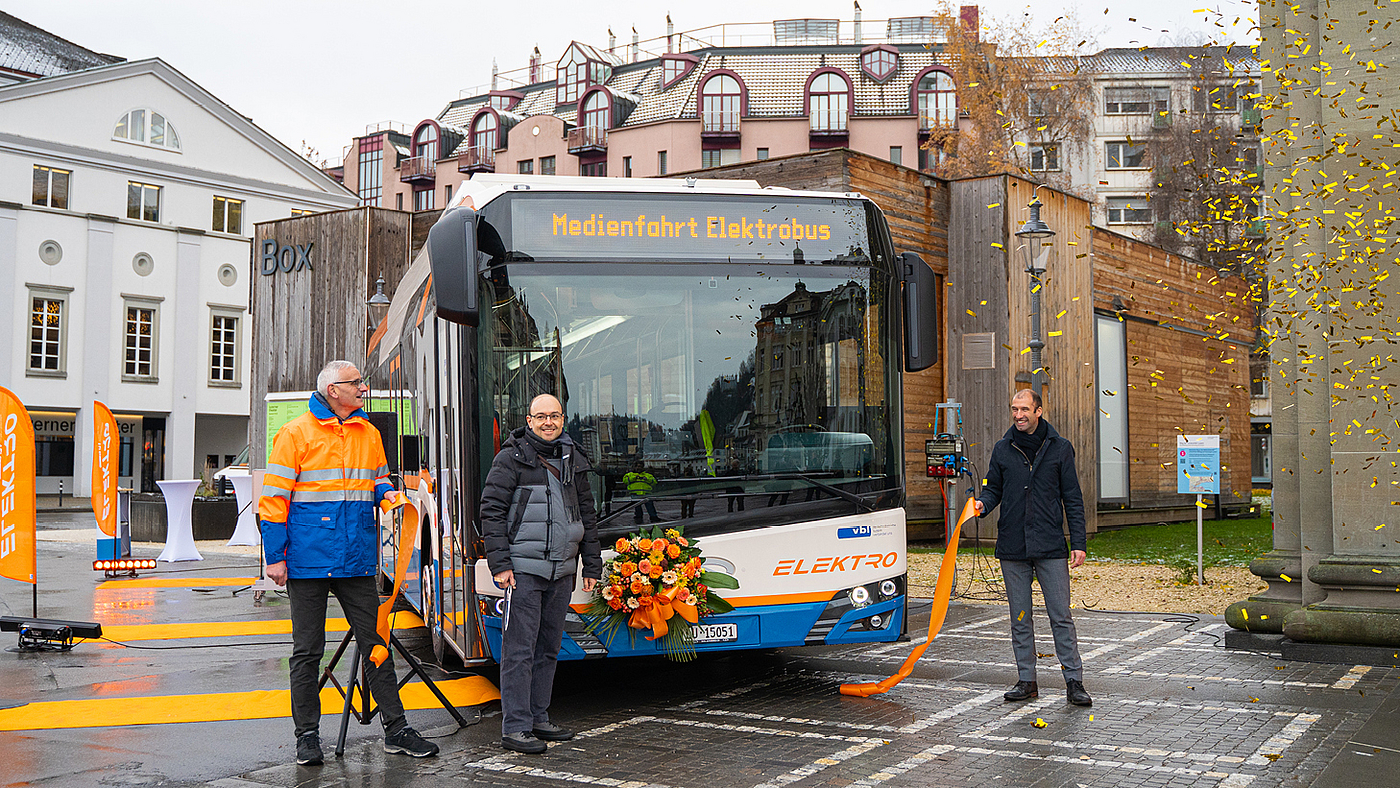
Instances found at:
x=1166 y=60
x=26 y=48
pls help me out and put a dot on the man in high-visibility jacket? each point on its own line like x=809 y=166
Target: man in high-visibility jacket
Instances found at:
x=640 y=484
x=326 y=474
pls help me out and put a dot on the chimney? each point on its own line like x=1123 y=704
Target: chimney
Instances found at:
x=968 y=14
x=636 y=49
x=494 y=71
x=535 y=66
x=612 y=41
x=670 y=34
x=858 y=36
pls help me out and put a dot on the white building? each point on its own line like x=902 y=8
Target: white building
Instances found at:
x=128 y=195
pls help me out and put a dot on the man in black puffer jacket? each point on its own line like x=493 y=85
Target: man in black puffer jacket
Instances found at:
x=537 y=519
x=1031 y=474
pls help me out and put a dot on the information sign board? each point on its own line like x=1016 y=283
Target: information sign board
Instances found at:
x=1198 y=464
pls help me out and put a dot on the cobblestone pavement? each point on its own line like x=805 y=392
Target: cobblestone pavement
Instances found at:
x=1171 y=708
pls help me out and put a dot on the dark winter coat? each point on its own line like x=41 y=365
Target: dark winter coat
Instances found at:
x=535 y=523
x=1036 y=495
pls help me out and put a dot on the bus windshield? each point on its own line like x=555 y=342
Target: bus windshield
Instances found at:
x=722 y=396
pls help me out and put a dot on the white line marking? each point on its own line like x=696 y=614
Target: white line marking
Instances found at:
x=1282 y=740
x=1354 y=675
x=803 y=772
x=1101 y=650
x=1084 y=760
x=951 y=711
x=890 y=772
x=1224 y=679
x=1019 y=713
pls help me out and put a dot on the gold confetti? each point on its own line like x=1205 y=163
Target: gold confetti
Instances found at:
x=1286 y=578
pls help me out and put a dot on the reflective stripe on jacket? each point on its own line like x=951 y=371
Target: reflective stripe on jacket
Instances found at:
x=323 y=481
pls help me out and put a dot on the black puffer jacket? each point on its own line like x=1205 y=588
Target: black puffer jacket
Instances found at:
x=1036 y=495
x=526 y=525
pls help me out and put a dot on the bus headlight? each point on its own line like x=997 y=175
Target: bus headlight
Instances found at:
x=888 y=589
x=875 y=622
x=860 y=596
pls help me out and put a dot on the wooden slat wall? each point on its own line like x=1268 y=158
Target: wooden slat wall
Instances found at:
x=1178 y=382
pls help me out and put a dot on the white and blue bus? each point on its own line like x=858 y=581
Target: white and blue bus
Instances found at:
x=736 y=348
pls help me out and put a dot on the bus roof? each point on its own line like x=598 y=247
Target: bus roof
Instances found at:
x=485 y=187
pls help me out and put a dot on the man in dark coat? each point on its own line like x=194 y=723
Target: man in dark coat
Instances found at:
x=538 y=520
x=1031 y=474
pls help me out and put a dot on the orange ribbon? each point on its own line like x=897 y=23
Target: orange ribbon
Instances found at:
x=658 y=609
x=943 y=591
x=408 y=537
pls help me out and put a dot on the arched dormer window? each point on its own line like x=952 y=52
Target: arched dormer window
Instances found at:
x=595 y=111
x=147 y=127
x=425 y=141
x=723 y=100
x=580 y=67
x=485 y=130
x=879 y=61
x=675 y=67
x=935 y=99
x=828 y=101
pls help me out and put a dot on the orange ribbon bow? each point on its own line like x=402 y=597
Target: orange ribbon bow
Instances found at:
x=657 y=610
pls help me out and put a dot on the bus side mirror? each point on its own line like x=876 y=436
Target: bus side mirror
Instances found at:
x=920 y=313
x=452 y=255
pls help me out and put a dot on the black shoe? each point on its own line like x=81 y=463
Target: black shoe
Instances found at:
x=408 y=742
x=1024 y=690
x=309 y=750
x=523 y=742
x=548 y=731
x=1079 y=696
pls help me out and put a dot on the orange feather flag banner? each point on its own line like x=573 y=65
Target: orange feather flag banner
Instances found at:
x=943 y=591
x=18 y=559
x=105 y=440
x=408 y=537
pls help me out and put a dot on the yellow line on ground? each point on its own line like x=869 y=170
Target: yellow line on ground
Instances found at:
x=175 y=582
x=217 y=707
x=222 y=629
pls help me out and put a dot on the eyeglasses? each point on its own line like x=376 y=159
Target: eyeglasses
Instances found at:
x=547 y=416
x=357 y=383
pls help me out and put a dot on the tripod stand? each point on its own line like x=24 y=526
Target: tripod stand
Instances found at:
x=360 y=680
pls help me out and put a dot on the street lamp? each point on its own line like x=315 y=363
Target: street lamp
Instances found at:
x=378 y=303
x=1037 y=250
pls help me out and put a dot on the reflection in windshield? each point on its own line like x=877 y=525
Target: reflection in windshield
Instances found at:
x=700 y=393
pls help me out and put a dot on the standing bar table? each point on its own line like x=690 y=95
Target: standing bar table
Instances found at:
x=179 y=525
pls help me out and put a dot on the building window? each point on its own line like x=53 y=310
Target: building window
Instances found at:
x=721 y=101
x=51 y=186
x=398 y=201
x=575 y=72
x=526 y=167
x=48 y=331
x=1136 y=100
x=626 y=166
x=1045 y=157
x=140 y=344
x=423 y=200
x=446 y=195
x=484 y=133
x=596 y=169
x=223 y=347
x=673 y=68
x=147 y=127
x=142 y=201
x=371 y=182
x=546 y=165
x=1125 y=156
x=425 y=142
x=828 y=102
x=1129 y=210
x=1111 y=377
x=719 y=158
x=762 y=154
x=661 y=168
x=1214 y=100
x=879 y=62
x=937 y=101
x=228 y=215
x=896 y=154
x=302 y=212
x=596 y=111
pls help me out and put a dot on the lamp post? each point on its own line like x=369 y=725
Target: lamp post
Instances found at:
x=378 y=304
x=1034 y=232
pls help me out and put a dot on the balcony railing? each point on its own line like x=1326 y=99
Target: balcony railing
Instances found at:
x=829 y=122
x=588 y=139
x=938 y=119
x=477 y=158
x=719 y=123
x=418 y=168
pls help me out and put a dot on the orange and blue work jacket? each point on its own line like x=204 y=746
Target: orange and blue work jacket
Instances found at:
x=323 y=481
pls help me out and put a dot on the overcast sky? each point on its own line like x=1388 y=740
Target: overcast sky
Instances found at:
x=319 y=72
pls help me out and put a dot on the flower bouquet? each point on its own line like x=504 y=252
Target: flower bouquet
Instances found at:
x=657 y=582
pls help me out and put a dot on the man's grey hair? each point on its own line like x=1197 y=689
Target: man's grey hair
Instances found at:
x=330 y=374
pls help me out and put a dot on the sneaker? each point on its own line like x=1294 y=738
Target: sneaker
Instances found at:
x=548 y=731
x=1074 y=690
x=309 y=750
x=408 y=742
x=1024 y=690
x=523 y=742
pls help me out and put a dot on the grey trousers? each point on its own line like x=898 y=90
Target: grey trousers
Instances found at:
x=530 y=649
x=359 y=599
x=1053 y=574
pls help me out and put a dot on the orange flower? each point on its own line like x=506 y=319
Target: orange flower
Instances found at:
x=615 y=604
x=659 y=545
x=627 y=569
x=645 y=566
x=622 y=546
x=638 y=586
x=644 y=545
x=673 y=551
x=684 y=542
x=682 y=594
x=656 y=571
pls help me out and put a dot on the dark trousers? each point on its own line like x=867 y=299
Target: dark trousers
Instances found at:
x=1053 y=574
x=534 y=628
x=359 y=599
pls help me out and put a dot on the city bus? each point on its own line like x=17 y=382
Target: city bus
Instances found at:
x=737 y=348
